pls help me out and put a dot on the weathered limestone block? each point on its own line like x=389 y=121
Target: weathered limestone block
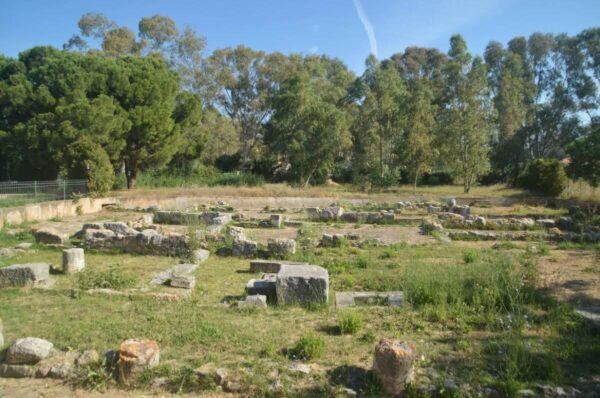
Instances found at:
x=313 y=213
x=276 y=220
x=28 y=351
x=135 y=355
x=429 y=226
x=269 y=266
x=102 y=233
x=331 y=213
x=244 y=248
x=181 y=275
x=351 y=299
x=255 y=300
x=49 y=236
x=200 y=255
x=264 y=286
x=16 y=371
x=19 y=275
x=120 y=228
x=236 y=232
x=73 y=260
x=393 y=365
x=302 y=284
x=181 y=218
x=59 y=366
x=336 y=240
x=281 y=247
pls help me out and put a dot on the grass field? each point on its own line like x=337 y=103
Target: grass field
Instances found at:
x=476 y=315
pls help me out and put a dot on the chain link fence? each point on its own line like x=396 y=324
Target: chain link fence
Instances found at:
x=18 y=193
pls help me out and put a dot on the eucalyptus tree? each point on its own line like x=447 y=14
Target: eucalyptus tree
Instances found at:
x=306 y=131
x=466 y=117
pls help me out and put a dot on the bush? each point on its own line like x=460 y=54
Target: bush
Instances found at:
x=469 y=256
x=585 y=157
x=350 y=322
x=308 y=347
x=546 y=176
x=436 y=178
x=90 y=161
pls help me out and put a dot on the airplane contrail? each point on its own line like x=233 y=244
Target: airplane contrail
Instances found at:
x=367 y=25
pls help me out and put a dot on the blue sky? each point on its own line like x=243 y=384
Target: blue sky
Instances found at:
x=332 y=27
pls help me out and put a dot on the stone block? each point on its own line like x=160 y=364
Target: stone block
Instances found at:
x=136 y=355
x=244 y=248
x=302 y=284
x=264 y=286
x=281 y=247
x=269 y=266
x=351 y=299
x=393 y=365
x=49 y=236
x=28 y=351
x=73 y=260
x=19 y=275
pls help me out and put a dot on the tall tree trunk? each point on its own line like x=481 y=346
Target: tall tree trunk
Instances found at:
x=416 y=179
x=131 y=173
x=381 y=158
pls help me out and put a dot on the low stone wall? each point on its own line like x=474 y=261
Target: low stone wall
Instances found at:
x=48 y=210
x=241 y=202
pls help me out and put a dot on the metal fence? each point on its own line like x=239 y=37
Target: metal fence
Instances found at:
x=17 y=193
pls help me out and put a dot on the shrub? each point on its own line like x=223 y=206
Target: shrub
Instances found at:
x=546 y=176
x=585 y=158
x=112 y=278
x=90 y=161
x=308 y=347
x=469 y=256
x=350 y=322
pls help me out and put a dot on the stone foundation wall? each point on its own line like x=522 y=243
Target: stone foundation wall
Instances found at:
x=48 y=210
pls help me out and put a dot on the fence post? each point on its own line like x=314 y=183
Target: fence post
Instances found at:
x=64 y=190
x=35 y=189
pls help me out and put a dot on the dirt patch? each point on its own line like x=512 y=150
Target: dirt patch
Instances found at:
x=572 y=276
x=47 y=388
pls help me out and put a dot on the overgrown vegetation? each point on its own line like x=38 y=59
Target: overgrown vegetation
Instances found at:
x=112 y=278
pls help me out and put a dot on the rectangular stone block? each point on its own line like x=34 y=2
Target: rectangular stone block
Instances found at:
x=264 y=286
x=351 y=299
x=269 y=266
x=302 y=283
x=18 y=275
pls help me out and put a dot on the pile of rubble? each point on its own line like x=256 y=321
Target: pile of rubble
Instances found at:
x=337 y=213
x=118 y=235
x=191 y=218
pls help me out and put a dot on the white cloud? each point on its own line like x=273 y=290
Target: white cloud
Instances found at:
x=313 y=50
x=367 y=25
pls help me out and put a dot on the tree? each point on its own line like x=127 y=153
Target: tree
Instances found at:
x=465 y=120
x=158 y=30
x=419 y=153
x=305 y=130
x=585 y=157
x=381 y=118
x=121 y=41
x=242 y=93
x=149 y=100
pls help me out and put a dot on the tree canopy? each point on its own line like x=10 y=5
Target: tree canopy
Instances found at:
x=116 y=100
